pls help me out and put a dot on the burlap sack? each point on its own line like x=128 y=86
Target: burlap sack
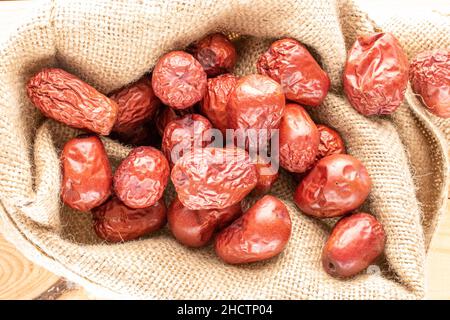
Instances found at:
x=111 y=43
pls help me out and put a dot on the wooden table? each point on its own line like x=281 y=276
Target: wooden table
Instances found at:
x=21 y=279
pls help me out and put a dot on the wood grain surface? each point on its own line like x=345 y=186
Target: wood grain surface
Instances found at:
x=21 y=279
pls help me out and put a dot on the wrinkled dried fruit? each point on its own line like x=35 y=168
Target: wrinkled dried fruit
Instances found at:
x=267 y=175
x=64 y=97
x=289 y=63
x=430 y=78
x=376 y=74
x=330 y=142
x=141 y=178
x=115 y=222
x=195 y=228
x=86 y=172
x=215 y=53
x=259 y=234
x=137 y=104
x=354 y=244
x=164 y=115
x=336 y=185
x=299 y=139
x=214 y=104
x=213 y=178
x=182 y=135
x=179 y=80
x=257 y=102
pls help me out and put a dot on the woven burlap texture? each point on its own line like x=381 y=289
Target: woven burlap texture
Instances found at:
x=111 y=43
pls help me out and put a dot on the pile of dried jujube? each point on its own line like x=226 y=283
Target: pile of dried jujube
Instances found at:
x=186 y=96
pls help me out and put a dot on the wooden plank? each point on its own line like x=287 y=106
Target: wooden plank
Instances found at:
x=438 y=261
x=21 y=279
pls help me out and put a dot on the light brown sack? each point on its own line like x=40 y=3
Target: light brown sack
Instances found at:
x=111 y=43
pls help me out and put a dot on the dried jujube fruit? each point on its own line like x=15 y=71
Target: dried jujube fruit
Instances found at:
x=86 y=173
x=262 y=232
x=137 y=104
x=216 y=54
x=115 y=222
x=430 y=79
x=164 y=115
x=354 y=244
x=184 y=134
x=257 y=102
x=214 y=104
x=289 y=63
x=267 y=175
x=195 y=228
x=376 y=74
x=179 y=80
x=64 y=97
x=330 y=142
x=338 y=184
x=299 y=139
x=141 y=178
x=213 y=178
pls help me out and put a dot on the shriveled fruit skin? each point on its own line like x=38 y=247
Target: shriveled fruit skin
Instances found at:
x=141 y=178
x=213 y=178
x=257 y=102
x=430 y=78
x=330 y=142
x=376 y=74
x=179 y=80
x=216 y=53
x=259 y=234
x=299 y=139
x=195 y=228
x=65 y=98
x=86 y=173
x=166 y=114
x=354 y=244
x=267 y=176
x=115 y=222
x=184 y=134
x=289 y=63
x=214 y=104
x=137 y=105
x=338 y=184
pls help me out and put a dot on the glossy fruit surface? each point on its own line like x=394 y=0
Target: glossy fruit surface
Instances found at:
x=430 y=78
x=195 y=228
x=338 y=184
x=354 y=244
x=289 y=63
x=376 y=74
x=64 y=97
x=257 y=102
x=213 y=178
x=214 y=104
x=299 y=139
x=137 y=104
x=86 y=173
x=267 y=175
x=215 y=53
x=262 y=232
x=330 y=142
x=141 y=178
x=184 y=134
x=115 y=222
x=179 y=80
